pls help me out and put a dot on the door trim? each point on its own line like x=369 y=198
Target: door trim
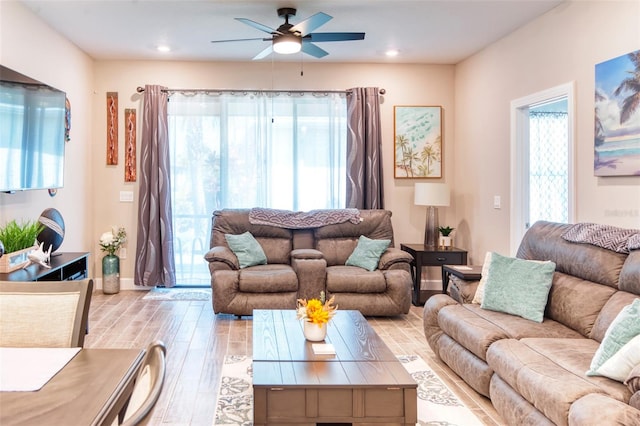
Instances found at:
x=520 y=147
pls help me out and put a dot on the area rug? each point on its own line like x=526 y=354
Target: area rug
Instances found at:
x=178 y=294
x=437 y=404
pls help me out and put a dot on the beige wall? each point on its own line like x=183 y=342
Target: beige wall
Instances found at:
x=562 y=46
x=32 y=48
x=404 y=85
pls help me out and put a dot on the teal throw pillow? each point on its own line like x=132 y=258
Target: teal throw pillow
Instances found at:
x=367 y=253
x=247 y=249
x=518 y=287
x=623 y=328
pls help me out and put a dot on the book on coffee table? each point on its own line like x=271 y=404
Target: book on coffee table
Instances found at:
x=323 y=349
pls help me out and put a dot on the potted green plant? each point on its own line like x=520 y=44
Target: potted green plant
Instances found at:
x=17 y=239
x=445 y=240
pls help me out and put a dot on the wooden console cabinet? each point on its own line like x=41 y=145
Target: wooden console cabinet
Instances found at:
x=64 y=267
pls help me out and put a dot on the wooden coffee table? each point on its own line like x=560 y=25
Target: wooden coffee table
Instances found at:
x=362 y=383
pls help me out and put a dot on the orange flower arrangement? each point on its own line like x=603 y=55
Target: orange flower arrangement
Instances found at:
x=317 y=311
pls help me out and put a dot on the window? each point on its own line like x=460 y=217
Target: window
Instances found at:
x=229 y=150
x=548 y=164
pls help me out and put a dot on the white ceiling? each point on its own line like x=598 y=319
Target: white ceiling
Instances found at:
x=435 y=32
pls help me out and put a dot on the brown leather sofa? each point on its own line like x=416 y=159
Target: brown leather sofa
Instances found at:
x=303 y=262
x=534 y=373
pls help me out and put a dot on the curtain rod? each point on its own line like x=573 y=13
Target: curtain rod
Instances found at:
x=140 y=89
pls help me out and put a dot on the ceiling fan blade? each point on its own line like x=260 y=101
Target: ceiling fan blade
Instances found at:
x=320 y=37
x=237 y=39
x=258 y=26
x=311 y=23
x=266 y=52
x=313 y=50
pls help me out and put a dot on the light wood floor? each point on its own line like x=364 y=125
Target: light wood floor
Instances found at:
x=197 y=341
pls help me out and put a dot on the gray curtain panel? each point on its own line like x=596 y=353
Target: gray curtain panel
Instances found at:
x=154 y=250
x=364 y=149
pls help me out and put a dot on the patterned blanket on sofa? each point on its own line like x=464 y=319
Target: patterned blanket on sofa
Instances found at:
x=610 y=237
x=300 y=220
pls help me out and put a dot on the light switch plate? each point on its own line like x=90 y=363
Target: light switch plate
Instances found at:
x=126 y=196
x=497 y=202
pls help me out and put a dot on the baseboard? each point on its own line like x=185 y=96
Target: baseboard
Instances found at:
x=128 y=284
x=431 y=285
x=125 y=284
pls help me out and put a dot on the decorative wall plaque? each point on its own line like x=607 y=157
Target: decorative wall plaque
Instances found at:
x=130 y=145
x=112 y=128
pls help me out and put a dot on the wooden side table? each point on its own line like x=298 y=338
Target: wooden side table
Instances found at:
x=428 y=256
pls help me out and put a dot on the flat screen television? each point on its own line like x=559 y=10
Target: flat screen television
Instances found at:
x=32 y=133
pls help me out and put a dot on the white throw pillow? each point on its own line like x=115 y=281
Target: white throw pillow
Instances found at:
x=622 y=362
x=477 y=298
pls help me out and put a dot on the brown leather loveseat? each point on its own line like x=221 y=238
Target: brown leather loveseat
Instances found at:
x=304 y=261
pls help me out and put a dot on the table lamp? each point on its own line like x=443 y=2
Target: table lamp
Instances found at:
x=432 y=195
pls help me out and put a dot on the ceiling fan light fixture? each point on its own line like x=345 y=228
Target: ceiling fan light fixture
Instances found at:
x=287 y=44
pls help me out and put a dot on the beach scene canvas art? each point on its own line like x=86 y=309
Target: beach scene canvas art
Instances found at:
x=418 y=141
x=617 y=116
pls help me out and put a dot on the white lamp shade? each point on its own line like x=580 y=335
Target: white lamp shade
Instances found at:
x=432 y=194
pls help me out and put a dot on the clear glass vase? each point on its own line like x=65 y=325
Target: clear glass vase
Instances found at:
x=110 y=274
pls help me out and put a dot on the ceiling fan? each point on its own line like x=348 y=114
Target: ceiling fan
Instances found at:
x=290 y=38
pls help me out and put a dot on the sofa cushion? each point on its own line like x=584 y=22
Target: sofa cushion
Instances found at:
x=276 y=242
x=338 y=241
x=367 y=253
x=574 y=355
x=609 y=312
x=568 y=305
x=622 y=362
x=543 y=241
x=268 y=279
x=476 y=328
x=598 y=410
x=247 y=249
x=624 y=327
x=518 y=287
x=542 y=382
x=352 y=279
x=630 y=274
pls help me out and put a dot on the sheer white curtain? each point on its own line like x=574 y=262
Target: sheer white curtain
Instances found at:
x=241 y=150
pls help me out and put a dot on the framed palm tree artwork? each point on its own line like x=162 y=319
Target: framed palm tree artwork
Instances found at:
x=417 y=141
x=617 y=116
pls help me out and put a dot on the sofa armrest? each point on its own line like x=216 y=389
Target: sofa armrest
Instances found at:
x=633 y=383
x=221 y=255
x=311 y=273
x=306 y=254
x=462 y=291
x=395 y=257
x=430 y=324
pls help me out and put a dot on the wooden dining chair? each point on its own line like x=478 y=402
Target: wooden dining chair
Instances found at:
x=45 y=314
x=148 y=385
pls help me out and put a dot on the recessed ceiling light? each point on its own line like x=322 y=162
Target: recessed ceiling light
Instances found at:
x=163 y=48
x=392 y=52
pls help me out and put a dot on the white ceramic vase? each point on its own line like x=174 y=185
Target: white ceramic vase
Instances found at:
x=314 y=332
